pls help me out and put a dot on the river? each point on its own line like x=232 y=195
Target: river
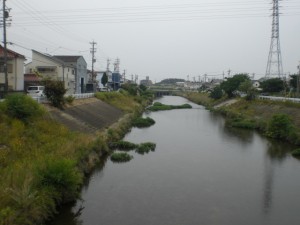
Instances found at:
x=201 y=173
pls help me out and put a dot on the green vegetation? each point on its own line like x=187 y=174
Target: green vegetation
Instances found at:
x=42 y=163
x=143 y=122
x=296 y=152
x=273 y=85
x=159 y=106
x=22 y=107
x=55 y=91
x=277 y=120
x=104 y=79
x=123 y=145
x=69 y=99
x=232 y=84
x=217 y=93
x=146 y=148
x=120 y=157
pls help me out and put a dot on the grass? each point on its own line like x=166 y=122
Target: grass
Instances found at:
x=42 y=163
x=157 y=106
x=146 y=148
x=143 y=122
x=120 y=157
x=123 y=145
x=296 y=152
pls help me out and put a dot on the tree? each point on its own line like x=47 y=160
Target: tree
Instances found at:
x=232 y=84
x=248 y=89
x=293 y=81
x=217 y=93
x=55 y=91
x=104 y=79
x=272 y=85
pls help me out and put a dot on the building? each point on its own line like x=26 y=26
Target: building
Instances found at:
x=79 y=67
x=48 y=66
x=146 y=82
x=15 y=70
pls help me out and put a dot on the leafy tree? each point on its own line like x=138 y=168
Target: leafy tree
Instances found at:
x=293 y=81
x=272 y=85
x=55 y=91
x=248 y=89
x=232 y=84
x=104 y=79
x=217 y=93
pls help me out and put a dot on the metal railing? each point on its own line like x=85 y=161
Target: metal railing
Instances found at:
x=81 y=96
x=283 y=99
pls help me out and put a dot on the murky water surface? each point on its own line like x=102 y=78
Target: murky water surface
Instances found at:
x=200 y=173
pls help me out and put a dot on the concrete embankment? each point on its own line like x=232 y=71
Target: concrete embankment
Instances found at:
x=86 y=115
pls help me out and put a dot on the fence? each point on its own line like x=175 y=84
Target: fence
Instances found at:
x=283 y=99
x=43 y=99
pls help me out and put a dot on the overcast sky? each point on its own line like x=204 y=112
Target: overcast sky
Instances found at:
x=159 y=38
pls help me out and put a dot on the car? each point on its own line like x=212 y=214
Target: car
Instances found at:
x=36 y=91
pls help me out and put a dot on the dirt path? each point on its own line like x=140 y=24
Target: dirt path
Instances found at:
x=226 y=103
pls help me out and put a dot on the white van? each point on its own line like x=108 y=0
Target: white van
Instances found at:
x=36 y=91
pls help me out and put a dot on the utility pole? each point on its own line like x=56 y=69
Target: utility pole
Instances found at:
x=274 y=65
x=298 y=79
x=124 y=76
x=5 y=16
x=93 y=51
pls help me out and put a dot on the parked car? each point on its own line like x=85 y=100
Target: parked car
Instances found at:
x=36 y=91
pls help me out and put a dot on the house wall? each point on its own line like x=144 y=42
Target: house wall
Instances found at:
x=16 y=75
x=81 y=73
x=60 y=72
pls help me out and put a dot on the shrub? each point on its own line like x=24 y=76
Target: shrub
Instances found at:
x=69 y=99
x=22 y=107
x=217 y=93
x=280 y=126
x=123 y=145
x=55 y=91
x=62 y=177
x=143 y=122
x=146 y=148
x=120 y=157
x=296 y=152
x=159 y=106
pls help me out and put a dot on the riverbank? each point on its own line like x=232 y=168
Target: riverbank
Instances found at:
x=43 y=163
x=256 y=114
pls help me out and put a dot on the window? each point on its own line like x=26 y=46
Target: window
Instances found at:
x=45 y=69
x=9 y=68
x=73 y=72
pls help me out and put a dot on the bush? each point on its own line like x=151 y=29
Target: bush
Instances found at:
x=62 y=177
x=280 y=126
x=146 y=148
x=120 y=157
x=55 y=91
x=69 y=99
x=296 y=152
x=123 y=145
x=22 y=107
x=143 y=122
x=217 y=93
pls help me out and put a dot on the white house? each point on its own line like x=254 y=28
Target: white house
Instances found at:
x=54 y=68
x=15 y=70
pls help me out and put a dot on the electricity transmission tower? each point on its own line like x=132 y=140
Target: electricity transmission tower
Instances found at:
x=274 y=66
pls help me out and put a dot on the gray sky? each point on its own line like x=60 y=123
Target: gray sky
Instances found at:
x=159 y=38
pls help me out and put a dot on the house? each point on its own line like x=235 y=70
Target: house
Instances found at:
x=15 y=70
x=79 y=66
x=51 y=67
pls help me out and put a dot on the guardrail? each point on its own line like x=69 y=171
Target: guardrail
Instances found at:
x=81 y=96
x=283 y=99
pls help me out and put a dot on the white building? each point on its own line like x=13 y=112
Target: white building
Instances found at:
x=15 y=70
x=54 y=68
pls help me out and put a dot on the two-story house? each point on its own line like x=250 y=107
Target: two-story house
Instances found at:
x=51 y=67
x=79 y=68
x=15 y=70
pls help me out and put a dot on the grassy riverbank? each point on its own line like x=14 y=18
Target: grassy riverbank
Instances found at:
x=268 y=117
x=43 y=164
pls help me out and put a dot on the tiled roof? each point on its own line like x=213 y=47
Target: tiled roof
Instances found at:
x=10 y=53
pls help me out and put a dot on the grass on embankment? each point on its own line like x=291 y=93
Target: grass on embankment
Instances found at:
x=42 y=163
x=280 y=120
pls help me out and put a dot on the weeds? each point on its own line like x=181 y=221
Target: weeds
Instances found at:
x=120 y=157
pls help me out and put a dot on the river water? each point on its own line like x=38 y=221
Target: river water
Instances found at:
x=201 y=173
